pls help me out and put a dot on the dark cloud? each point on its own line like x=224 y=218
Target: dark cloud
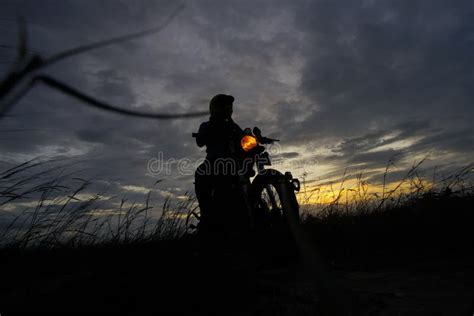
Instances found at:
x=374 y=63
x=346 y=82
x=374 y=157
x=288 y=155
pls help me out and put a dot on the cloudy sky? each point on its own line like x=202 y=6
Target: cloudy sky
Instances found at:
x=341 y=83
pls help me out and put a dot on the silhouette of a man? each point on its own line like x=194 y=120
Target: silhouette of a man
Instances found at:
x=216 y=176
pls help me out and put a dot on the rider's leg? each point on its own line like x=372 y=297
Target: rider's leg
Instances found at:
x=204 y=197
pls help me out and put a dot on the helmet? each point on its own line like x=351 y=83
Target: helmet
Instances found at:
x=220 y=106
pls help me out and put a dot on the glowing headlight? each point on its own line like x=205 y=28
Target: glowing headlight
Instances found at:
x=248 y=142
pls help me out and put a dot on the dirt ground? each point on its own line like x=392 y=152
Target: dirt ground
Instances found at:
x=424 y=287
x=176 y=280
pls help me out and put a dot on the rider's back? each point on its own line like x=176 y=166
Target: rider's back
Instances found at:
x=220 y=136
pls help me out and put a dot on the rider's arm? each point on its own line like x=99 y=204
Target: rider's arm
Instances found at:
x=237 y=129
x=203 y=134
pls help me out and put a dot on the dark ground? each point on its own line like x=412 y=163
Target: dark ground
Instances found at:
x=389 y=263
x=173 y=278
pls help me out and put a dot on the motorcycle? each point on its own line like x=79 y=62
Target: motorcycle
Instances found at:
x=268 y=195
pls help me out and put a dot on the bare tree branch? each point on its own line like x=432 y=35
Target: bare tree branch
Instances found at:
x=13 y=88
x=85 y=48
x=105 y=106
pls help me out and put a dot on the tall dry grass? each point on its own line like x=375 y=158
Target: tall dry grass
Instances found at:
x=364 y=196
x=42 y=205
x=424 y=214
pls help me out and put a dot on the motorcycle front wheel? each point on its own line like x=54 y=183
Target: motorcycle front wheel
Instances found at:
x=274 y=200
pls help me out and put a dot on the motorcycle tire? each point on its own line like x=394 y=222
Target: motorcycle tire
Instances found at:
x=274 y=200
